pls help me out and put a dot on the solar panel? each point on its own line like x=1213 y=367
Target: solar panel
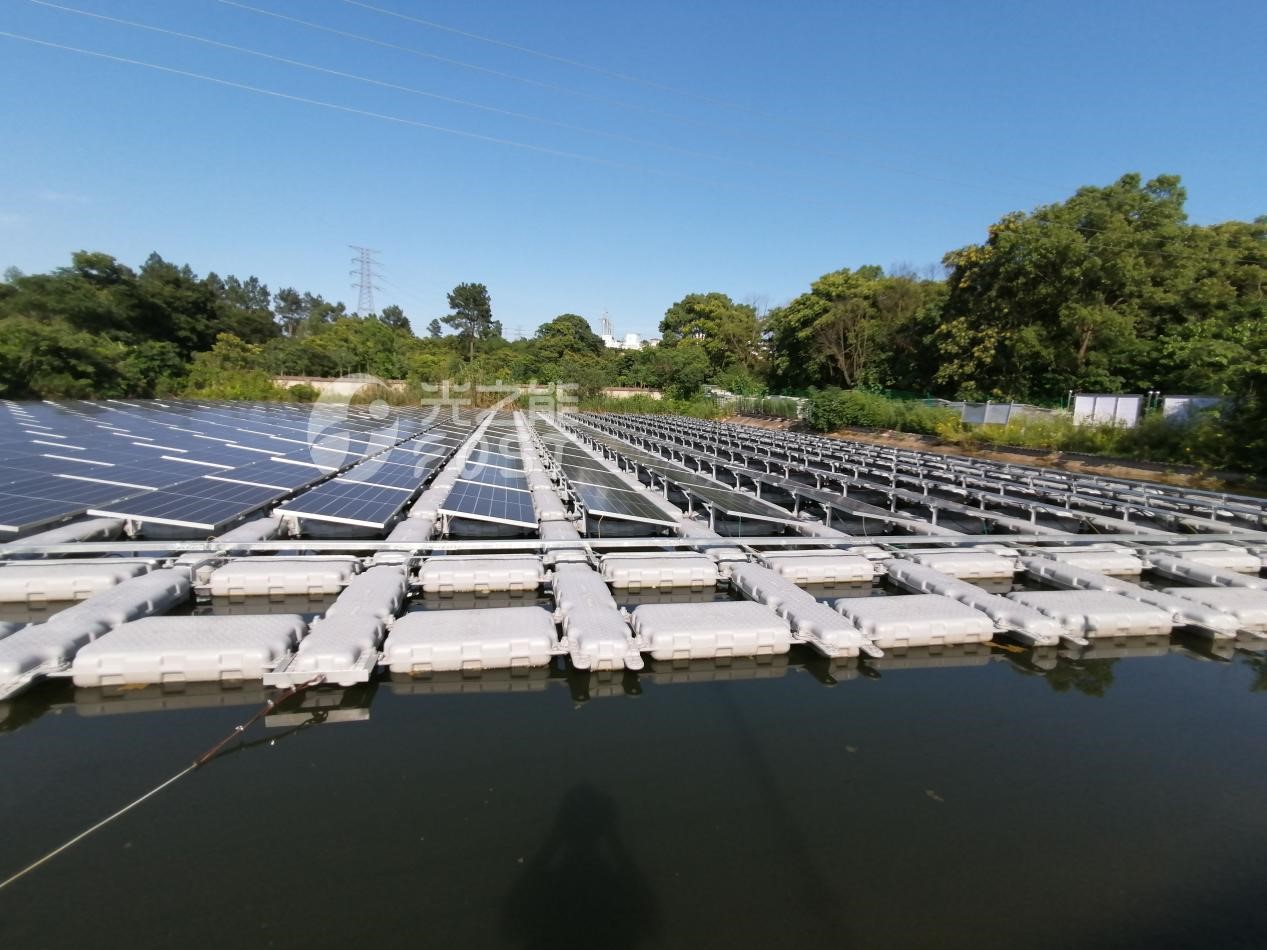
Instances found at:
x=200 y=503
x=404 y=455
x=350 y=503
x=486 y=456
x=492 y=475
x=272 y=473
x=577 y=459
x=628 y=505
x=489 y=503
x=592 y=476
x=19 y=513
x=386 y=475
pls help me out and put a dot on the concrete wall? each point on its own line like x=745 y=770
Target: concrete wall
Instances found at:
x=625 y=392
x=342 y=386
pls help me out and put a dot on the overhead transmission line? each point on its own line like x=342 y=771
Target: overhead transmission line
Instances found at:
x=413 y=90
x=729 y=104
x=713 y=127
x=590 y=67
x=464 y=133
x=449 y=130
x=403 y=120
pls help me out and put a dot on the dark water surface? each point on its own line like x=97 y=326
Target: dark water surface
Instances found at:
x=992 y=803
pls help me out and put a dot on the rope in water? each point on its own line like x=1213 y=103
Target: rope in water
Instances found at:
x=198 y=763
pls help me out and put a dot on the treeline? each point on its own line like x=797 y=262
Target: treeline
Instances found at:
x=1112 y=290
x=98 y=328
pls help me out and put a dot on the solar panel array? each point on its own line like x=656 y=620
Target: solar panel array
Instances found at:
x=194 y=465
x=979 y=494
x=600 y=491
x=698 y=490
x=372 y=493
x=491 y=486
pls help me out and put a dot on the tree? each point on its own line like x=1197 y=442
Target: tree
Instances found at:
x=728 y=332
x=1110 y=289
x=680 y=370
x=244 y=308
x=472 y=315
x=859 y=327
x=42 y=359
x=288 y=306
x=395 y=318
x=434 y=330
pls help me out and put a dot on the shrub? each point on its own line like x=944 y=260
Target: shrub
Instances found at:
x=303 y=392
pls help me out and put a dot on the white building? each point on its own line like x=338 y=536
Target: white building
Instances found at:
x=631 y=341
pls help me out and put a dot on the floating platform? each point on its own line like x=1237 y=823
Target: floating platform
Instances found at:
x=820 y=567
x=812 y=622
x=42 y=581
x=1113 y=559
x=968 y=565
x=431 y=641
x=1183 y=612
x=1023 y=622
x=1246 y=604
x=916 y=620
x=640 y=571
x=1215 y=554
x=480 y=575
x=174 y=650
x=597 y=635
x=1197 y=572
x=1094 y=613
x=715 y=630
x=343 y=645
x=47 y=648
x=278 y=577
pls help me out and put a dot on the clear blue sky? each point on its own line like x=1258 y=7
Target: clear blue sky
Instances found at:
x=754 y=147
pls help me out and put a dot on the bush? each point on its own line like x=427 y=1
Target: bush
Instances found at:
x=302 y=392
x=833 y=408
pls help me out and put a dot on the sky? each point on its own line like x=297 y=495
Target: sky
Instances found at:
x=594 y=156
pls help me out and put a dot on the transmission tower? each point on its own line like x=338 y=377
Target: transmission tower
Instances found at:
x=363 y=270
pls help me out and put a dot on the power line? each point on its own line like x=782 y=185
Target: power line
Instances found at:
x=461 y=64
x=626 y=77
x=465 y=133
x=590 y=67
x=352 y=110
x=364 y=273
x=714 y=127
x=401 y=88
x=415 y=123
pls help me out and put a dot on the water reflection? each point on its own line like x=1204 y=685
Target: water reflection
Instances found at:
x=582 y=887
x=1090 y=671
x=1258 y=665
x=1089 y=677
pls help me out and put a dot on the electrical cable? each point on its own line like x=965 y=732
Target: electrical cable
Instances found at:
x=205 y=759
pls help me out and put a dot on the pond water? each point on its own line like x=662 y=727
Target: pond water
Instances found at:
x=993 y=799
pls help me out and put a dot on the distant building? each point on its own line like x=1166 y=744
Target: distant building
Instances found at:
x=631 y=341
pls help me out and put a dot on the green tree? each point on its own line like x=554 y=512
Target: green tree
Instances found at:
x=1111 y=289
x=857 y=327
x=434 y=330
x=728 y=332
x=394 y=317
x=471 y=315
x=43 y=359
